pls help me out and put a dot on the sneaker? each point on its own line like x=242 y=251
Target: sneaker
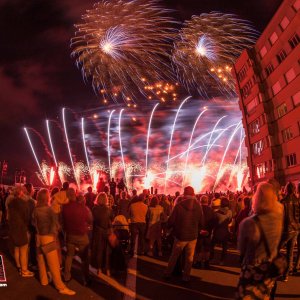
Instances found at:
x=27 y=274
x=67 y=291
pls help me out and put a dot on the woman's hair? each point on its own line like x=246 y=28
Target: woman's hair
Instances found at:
x=54 y=190
x=265 y=199
x=102 y=199
x=42 y=197
x=153 y=202
x=290 y=188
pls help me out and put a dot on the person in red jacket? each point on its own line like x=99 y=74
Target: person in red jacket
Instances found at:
x=76 y=220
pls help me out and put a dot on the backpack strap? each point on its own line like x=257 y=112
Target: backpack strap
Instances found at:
x=263 y=236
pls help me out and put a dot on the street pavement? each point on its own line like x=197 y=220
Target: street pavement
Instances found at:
x=143 y=280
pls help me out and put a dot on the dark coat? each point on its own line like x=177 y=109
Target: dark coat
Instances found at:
x=100 y=247
x=186 y=219
x=19 y=221
x=291 y=206
x=223 y=219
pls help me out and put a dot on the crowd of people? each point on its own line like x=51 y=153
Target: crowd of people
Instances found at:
x=47 y=228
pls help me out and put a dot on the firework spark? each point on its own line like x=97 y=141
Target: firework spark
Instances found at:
x=206 y=48
x=121 y=44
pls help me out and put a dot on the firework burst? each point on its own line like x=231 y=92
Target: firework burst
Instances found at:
x=206 y=48
x=121 y=45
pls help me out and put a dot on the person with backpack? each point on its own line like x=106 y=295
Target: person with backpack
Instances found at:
x=258 y=243
x=291 y=227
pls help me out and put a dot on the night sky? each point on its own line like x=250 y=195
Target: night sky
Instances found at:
x=37 y=75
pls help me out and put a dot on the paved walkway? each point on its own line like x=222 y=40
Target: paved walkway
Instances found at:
x=144 y=280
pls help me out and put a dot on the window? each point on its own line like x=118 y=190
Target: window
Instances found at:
x=269 y=69
x=296 y=98
x=260 y=170
x=284 y=23
x=258 y=147
x=251 y=105
x=296 y=5
x=282 y=110
x=294 y=41
x=254 y=127
x=273 y=38
x=276 y=88
x=242 y=74
x=263 y=51
x=287 y=134
x=290 y=75
x=281 y=56
x=247 y=88
x=291 y=160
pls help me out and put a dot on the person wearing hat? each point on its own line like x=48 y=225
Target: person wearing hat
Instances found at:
x=186 y=221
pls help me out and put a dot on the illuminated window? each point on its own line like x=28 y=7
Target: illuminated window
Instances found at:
x=269 y=69
x=263 y=51
x=290 y=75
x=296 y=5
x=294 y=41
x=296 y=98
x=282 y=110
x=291 y=160
x=284 y=23
x=287 y=134
x=273 y=38
x=276 y=88
x=258 y=147
x=260 y=170
x=281 y=56
x=254 y=127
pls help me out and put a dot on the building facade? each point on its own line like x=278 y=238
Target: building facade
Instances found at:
x=268 y=86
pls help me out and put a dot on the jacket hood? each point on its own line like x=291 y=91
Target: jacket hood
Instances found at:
x=188 y=202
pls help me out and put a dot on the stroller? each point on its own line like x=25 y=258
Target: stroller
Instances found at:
x=121 y=230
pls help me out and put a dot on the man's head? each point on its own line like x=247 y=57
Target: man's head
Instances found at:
x=89 y=189
x=177 y=194
x=65 y=185
x=29 y=189
x=106 y=189
x=134 y=192
x=71 y=194
x=204 y=200
x=188 y=191
x=113 y=180
x=224 y=202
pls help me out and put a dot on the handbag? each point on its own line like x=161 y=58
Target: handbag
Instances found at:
x=48 y=247
x=274 y=268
